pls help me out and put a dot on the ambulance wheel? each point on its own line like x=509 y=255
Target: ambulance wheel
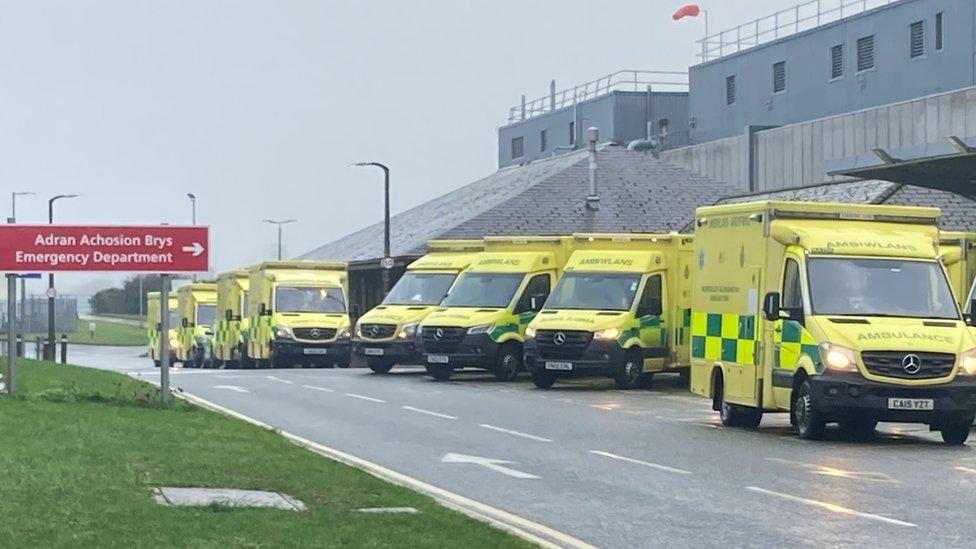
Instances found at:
x=198 y=361
x=810 y=424
x=380 y=366
x=684 y=377
x=508 y=362
x=956 y=433
x=630 y=376
x=543 y=380
x=217 y=364
x=157 y=364
x=342 y=363
x=735 y=415
x=440 y=373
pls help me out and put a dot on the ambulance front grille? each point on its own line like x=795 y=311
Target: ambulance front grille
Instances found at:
x=570 y=344
x=442 y=339
x=315 y=334
x=901 y=364
x=377 y=331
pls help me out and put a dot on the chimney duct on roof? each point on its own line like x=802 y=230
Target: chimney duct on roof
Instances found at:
x=593 y=200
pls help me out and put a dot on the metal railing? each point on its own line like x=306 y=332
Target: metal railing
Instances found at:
x=799 y=18
x=623 y=80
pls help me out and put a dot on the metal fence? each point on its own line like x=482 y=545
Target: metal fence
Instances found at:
x=783 y=23
x=623 y=80
x=32 y=315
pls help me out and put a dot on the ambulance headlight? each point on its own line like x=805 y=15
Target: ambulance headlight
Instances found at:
x=967 y=363
x=359 y=330
x=838 y=358
x=282 y=332
x=530 y=332
x=409 y=330
x=345 y=333
x=609 y=333
x=482 y=329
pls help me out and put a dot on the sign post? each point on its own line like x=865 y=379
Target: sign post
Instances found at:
x=11 y=338
x=164 y=339
x=164 y=249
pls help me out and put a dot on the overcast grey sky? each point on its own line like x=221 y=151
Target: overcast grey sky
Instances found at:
x=259 y=107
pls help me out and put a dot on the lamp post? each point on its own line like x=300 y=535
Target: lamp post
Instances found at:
x=387 y=262
x=279 y=224
x=23 y=281
x=49 y=348
x=193 y=218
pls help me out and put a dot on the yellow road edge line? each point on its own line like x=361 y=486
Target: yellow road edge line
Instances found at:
x=543 y=535
x=831 y=507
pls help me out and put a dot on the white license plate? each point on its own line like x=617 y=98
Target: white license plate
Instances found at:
x=368 y=351
x=438 y=359
x=911 y=404
x=561 y=366
x=315 y=351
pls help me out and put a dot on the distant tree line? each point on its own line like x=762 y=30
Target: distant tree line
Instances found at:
x=124 y=300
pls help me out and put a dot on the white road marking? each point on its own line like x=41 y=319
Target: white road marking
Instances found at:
x=428 y=412
x=641 y=462
x=965 y=469
x=314 y=388
x=363 y=397
x=497 y=465
x=279 y=380
x=232 y=388
x=829 y=471
x=831 y=507
x=515 y=433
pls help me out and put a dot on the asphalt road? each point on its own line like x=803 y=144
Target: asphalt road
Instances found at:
x=646 y=468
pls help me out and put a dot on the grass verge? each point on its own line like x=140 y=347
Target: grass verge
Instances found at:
x=82 y=450
x=106 y=333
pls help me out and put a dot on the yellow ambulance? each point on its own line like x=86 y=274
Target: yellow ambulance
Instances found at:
x=386 y=335
x=481 y=323
x=834 y=313
x=229 y=341
x=958 y=251
x=154 y=323
x=621 y=309
x=298 y=314
x=197 y=304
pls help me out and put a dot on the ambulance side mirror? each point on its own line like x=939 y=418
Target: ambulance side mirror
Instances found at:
x=771 y=306
x=185 y=323
x=159 y=326
x=263 y=310
x=971 y=310
x=229 y=315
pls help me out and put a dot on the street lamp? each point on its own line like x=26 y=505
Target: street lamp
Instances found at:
x=49 y=349
x=279 y=224
x=193 y=206
x=387 y=260
x=13 y=202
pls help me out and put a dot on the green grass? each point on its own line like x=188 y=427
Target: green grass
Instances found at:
x=82 y=449
x=106 y=333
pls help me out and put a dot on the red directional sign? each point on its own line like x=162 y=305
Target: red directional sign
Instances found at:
x=56 y=248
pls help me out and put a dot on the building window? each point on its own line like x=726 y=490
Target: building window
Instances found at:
x=779 y=77
x=572 y=133
x=938 y=31
x=865 y=53
x=916 y=47
x=542 y=141
x=730 y=90
x=518 y=147
x=837 y=61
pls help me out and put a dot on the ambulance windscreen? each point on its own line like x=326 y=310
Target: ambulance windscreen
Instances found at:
x=880 y=287
x=594 y=291
x=420 y=289
x=494 y=290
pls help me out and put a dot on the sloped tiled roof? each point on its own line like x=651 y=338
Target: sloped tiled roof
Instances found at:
x=638 y=193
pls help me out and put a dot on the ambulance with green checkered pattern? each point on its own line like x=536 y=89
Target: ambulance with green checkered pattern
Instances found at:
x=832 y=313
x=958 y=250
x=387 y=334
x=154 y=321
x=298 y=314
x=621 y=309
x=230 y=329
x=197 y=304
x=481 y=323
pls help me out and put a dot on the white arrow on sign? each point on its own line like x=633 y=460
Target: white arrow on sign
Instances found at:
x=497 y=465
x=196 y=249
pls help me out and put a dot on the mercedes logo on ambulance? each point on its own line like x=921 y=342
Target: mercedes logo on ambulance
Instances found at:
x=374 y=330
x=315 y=333
x=911 y=364
x=439 y=333
x=559 y=338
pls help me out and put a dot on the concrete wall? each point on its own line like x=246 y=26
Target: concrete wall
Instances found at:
x=811 y=93
x=621 y=116
x=794 y=155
